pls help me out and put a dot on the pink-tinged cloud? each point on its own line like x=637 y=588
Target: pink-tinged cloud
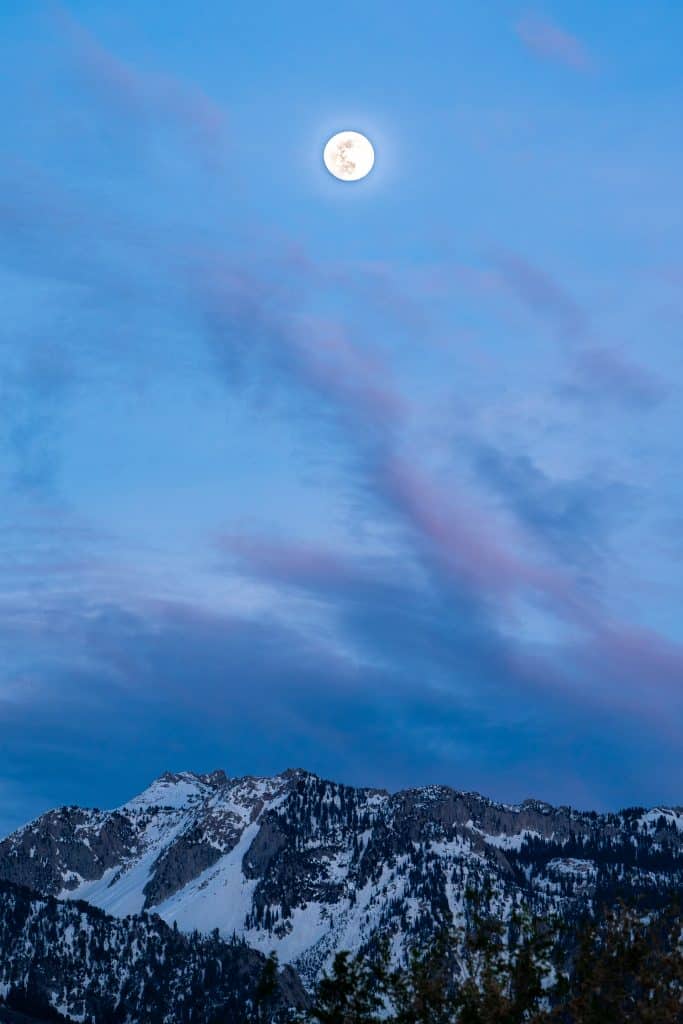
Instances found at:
x=621 y=670
x=624 y=668
x=604 y=374
x=359 y=380
x=541 y=294
x=463 y=543
x=253 y=318
x=153 y=97
x=642 y=658
x=545 y=38
x=298 y=563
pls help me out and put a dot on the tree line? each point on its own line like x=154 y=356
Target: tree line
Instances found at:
x=620 y=967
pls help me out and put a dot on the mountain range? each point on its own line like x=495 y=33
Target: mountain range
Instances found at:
x=306 y=867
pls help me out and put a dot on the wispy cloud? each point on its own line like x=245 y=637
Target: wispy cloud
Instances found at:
x=541 y=294
x=597 y=373
x=604 y=376
x=153 y=97
x=253 y=323
x=573 y=516
x=547 y=39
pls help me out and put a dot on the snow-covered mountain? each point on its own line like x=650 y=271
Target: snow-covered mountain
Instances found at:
x=70 y=958
x=306 y=866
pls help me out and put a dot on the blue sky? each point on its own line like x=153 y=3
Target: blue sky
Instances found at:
x=379 y=479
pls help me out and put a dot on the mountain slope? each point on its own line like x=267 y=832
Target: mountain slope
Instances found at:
x=69 y=957
x=306 y=867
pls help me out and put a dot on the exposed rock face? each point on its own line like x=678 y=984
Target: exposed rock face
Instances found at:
x=271 y=839
x=90 y=967
x=305 y=866
x=68 y=844
x=178 y=865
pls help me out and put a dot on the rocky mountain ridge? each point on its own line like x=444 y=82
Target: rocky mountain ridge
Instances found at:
x=307 y=866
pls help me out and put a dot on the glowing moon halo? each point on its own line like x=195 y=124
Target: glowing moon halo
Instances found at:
x=349 y=156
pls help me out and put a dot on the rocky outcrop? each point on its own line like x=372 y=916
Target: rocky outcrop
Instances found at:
x=179 y=864
x=270 y=840
x=65 y=846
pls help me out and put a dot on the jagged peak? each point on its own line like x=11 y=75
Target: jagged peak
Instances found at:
x=540 y=806
x=215 y=778
x=187 y=789
x=297 y=773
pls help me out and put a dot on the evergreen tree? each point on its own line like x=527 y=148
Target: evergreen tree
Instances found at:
x=421 y=994
x=265 y=995
x=628 y=970
x=354 y=993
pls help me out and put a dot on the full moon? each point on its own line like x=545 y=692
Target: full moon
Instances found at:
x=349 y=156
